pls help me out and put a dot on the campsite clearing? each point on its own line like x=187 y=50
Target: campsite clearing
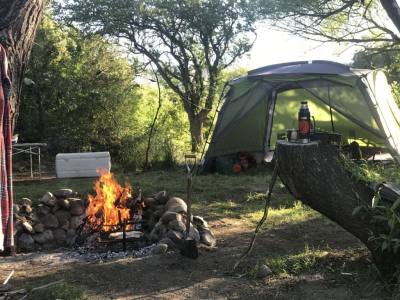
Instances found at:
x=311 y=257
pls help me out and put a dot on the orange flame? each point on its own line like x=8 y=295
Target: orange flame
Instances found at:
x=110 y=198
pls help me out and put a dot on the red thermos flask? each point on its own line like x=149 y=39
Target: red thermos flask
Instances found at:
x=304 y=123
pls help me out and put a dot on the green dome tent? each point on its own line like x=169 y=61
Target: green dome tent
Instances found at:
x=259 y=106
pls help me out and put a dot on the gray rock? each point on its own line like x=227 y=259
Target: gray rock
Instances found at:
x=77 y=200
x=76 y=221
x=50 y=221
x=199 y=221
x=161 y=197
x=55 y=208
x=44 y=238
x=62 y=216
x=207 y=238
x=63 y=203
x=26 y=242
x=65 y=193
x=150 y=202
x=48 y=199
x=177 y=225
x=60 y=236
x=77 y=207
x=39 y=228
x=194 y=233
x=175 y=236
x=159 y=249
x=16 y=208
x=65 y=225
x=43 y=209
x=71 y=237
x=25 y=201
x=27 y=227
x=264 y=271
x=159 y=211
x=176 y=204
x=71 y=232
x=26 y=208
x=34 y=218
x=70 y=241
x=158 y=231
x=169 y=216
x=148 y=213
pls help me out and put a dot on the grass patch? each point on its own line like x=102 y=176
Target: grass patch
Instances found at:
x=206 y=189
x=231 y=196
x=312 y=260
x=304 y=262
x=60 y=291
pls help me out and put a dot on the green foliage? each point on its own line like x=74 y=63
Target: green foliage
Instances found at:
x=81 y=96
x=188 y=42
x=340 y=21
x=363 y=171
x=387 y=217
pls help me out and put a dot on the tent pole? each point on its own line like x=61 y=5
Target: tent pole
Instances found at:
x=330 y=108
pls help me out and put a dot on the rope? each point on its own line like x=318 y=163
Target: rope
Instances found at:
x=264 y=217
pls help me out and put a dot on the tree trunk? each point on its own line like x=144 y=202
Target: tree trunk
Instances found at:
x=313 y=173
x=393 y=11
x=18 y=23
x=196 y=131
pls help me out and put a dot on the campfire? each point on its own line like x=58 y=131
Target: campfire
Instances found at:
x=110 y=206
x=112 y=218
x=113 y=212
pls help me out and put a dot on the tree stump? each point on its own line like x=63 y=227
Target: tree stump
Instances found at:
x=314 y=174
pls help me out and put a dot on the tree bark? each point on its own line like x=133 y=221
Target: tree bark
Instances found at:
x=196 y=131
x=393 y=11
x=313 y=173
x=19 y=20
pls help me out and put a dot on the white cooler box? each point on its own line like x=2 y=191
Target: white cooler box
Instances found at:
x=84 y=164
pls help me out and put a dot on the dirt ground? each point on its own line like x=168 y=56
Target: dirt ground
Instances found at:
x=311 y=257
x=172 y=276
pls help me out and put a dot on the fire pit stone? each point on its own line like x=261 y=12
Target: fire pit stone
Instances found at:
x=176 y=204
x=148 y=225
x=48 y=199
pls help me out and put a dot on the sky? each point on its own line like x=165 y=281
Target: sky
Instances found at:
x=272 y=47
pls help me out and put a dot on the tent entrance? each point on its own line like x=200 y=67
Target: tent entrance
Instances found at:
x=359 y=125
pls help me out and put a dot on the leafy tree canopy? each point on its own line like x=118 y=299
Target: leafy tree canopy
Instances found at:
x=189 y=41
x=371 y=23
x=79 y=92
